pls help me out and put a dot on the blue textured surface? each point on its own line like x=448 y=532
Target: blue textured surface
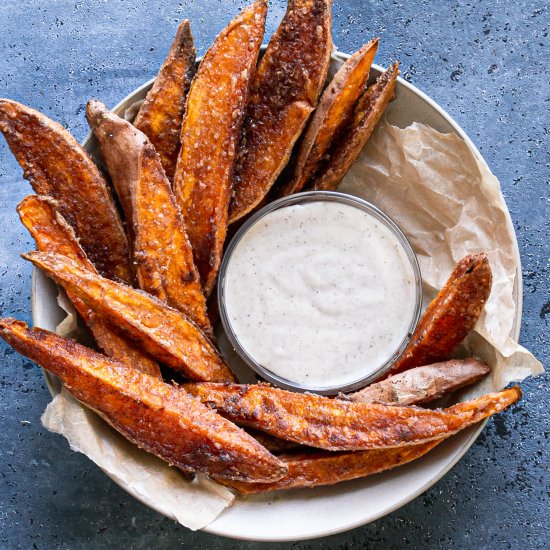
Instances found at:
x=485 y=62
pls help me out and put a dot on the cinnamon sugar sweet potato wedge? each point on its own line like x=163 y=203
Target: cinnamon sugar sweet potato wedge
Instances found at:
x=165 y=333
x=161 y=115
x=158 y=417
x=327 y=468
x=58 y=166
x=423 y=384
x=333 y=114
x=336 y=425
x=450 y=316
x=159 y=245
x=210 y=133
x=51 y=232
x=285 y=91
x=368 y=112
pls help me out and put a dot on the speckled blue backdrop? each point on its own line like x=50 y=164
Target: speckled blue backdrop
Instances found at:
x=485 y=62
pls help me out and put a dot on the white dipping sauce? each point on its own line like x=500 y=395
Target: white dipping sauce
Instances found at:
x=320 y=294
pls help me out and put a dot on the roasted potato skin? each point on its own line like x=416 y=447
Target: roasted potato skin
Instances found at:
x=210 y=132
x=314 y=469
x=161 y=115
x=368 y=112
x=423 y=384
x=413 y=387
x=337 y=425
x=160 y=248
x=41 y=216
x=285 y=91
x=332 y=116
x=158 y=417
x=163 y=332
x=57 y=165
x=310 y=468
x=451 y=315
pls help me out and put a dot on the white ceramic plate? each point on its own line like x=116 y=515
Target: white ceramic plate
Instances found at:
x=311 y=513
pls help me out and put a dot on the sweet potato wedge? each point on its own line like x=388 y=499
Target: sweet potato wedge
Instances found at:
x=450 y=316
x=165 y=333
x=368 y=112
x=413 y=387
x=327 y=468
x=423 y=384
x=57 y=165
x=51 y=232
x=160 y=248
x=285 y=91
x=158 y=417
x=161 y=114
x=337 y=425
x=210 y=132
x=333 y=114
x=42 y=217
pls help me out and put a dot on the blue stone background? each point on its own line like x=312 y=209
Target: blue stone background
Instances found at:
x=485 y=62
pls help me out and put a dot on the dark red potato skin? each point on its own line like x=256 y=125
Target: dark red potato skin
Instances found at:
x=423 y=384
x=333 y=115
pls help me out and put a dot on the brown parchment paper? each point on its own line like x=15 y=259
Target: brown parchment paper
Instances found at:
x=448 y=204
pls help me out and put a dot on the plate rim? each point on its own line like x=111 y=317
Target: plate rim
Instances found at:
x=53 y=387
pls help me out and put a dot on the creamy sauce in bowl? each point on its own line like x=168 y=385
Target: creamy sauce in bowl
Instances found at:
x=319 y=294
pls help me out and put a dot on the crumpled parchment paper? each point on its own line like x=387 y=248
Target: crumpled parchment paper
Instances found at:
x=148 y=478
x=193 y=503
x=448 y=204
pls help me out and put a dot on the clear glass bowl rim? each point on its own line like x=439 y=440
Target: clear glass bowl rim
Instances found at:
x=302 y=198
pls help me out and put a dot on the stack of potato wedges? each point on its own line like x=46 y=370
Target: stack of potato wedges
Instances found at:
x=211 y=144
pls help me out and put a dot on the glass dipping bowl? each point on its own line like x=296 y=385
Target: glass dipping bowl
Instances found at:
x=299 y=199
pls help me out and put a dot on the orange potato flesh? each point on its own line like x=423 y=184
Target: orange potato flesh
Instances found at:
x=158 y=417
x=285 y=91
x=368 y=112
x=338 y=425
x=165 y=333
x=161 y=115
x=333 y=114
x=327 y=468
x=160 y=248
x=210 y=132
x=450 y=316
x=57 y=165
x=40 y=215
